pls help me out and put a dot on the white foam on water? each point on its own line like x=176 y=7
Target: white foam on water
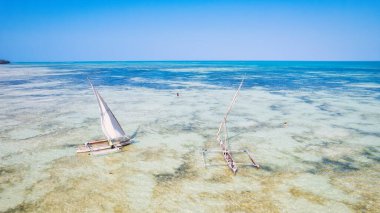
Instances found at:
x=367 y=85
x=206 y=69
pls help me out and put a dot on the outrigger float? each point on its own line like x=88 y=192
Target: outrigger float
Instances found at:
x=116 y=137
x=222 y=139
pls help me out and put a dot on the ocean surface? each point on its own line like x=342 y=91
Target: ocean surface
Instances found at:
x=314 y=128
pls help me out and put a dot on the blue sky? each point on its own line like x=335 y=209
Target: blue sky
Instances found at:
x=75 y=30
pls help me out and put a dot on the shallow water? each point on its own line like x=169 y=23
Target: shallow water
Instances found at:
x=325 y=160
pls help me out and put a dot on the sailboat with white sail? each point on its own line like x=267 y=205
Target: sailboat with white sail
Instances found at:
x=116 y=137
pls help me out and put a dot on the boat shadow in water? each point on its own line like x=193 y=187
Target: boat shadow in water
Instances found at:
x=134 y=135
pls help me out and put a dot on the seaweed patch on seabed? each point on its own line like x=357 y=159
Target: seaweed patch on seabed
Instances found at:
x=11 y=175
x=363 y=186
x=327 y=108
x=191 y=127
x=339 y=166
x=306 y=99
x=345 y=164
x=166 y=194
x=301 y=138
x=10 y=155
x=64 y=191
x=324 y=145
x=179 y=173
x=185 y=170
x=371 y=153
x=155 y=154
x=276 y=107
x=259 y=195
x=23 y=207
x=242 y=201
x=361 y=132
x=299 y=193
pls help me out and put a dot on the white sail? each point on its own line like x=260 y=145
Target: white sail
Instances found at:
x=110 y=126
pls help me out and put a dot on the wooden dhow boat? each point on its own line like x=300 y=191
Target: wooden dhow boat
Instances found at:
x=222 y=139
x=116 y=137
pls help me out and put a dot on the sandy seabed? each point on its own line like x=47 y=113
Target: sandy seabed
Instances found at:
x=325 y=160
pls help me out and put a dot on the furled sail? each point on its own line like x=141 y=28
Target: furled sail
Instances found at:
x=110 y=126
x=223 y=124
x=223 y=128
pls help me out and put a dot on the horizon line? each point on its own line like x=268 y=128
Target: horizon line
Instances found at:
x=82 y=61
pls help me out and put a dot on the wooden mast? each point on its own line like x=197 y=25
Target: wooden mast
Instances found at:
x=224 y=143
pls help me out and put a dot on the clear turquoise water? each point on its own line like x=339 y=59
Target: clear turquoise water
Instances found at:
x=325 y=160
x=269 y=75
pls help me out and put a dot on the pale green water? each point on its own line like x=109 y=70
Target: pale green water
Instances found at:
x=325 y=160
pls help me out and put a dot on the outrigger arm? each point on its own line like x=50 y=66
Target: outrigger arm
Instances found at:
x=250 y=156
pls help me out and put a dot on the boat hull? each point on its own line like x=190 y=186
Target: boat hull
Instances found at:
x=101 y=147
x=230 y=162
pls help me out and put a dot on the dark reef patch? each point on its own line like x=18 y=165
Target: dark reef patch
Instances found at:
x=299 y=193
x=23 y=207
x=181 y=172
x=306 y=99
x=300 y=139
x=324 y=107
x=275 y=107
x=358 y=131
x=344 y=164
x=11 y=175
x=184 y=171
x=371 y=153
x=339 y=166
x=327 y=108
x=6 y=170
x=13 y=82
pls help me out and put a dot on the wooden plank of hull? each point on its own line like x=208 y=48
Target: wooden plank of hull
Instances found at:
x=93 y=146
x=84 y=148
x=98 y=142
